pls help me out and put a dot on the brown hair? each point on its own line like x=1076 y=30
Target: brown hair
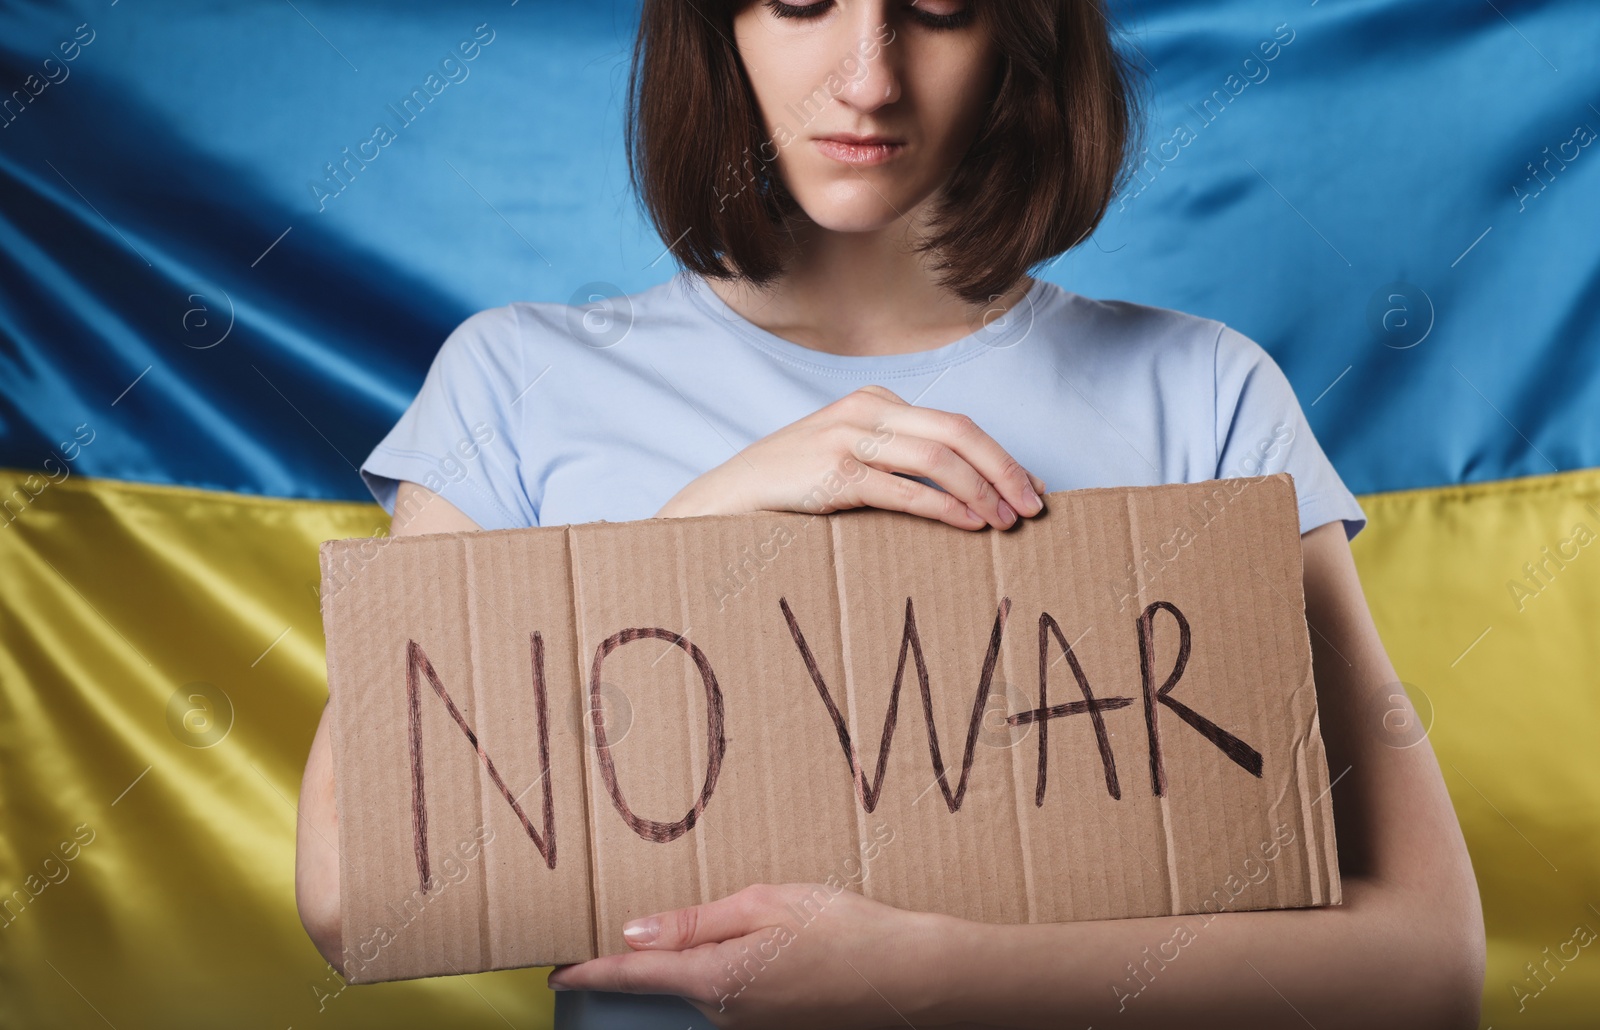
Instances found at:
x=1035 y=182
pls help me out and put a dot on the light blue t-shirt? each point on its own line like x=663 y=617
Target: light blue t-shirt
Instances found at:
x=541 y=414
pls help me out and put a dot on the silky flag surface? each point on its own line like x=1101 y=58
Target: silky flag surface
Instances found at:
x=210 y=312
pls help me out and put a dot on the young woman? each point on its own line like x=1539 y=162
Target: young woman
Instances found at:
x=855 y=190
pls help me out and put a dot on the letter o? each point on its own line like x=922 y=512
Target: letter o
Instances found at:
x=716 y=742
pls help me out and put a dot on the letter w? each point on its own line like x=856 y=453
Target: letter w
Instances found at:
x=909 y=641
x=417 y=661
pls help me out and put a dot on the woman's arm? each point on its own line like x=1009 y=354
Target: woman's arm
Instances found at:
x=417 y=510
x=1406 y=948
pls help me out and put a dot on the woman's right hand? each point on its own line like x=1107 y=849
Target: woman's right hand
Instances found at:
x=845 y=456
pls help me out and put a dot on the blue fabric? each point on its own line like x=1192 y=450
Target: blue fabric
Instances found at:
x=546 y=414
x=143 y=185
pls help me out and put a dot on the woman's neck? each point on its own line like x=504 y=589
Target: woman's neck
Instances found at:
x=861 y=293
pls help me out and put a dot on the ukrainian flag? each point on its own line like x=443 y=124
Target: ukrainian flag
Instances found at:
x=233 y=235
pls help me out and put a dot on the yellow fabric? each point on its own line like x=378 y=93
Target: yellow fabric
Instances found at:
x=179 y=910
x=1517 y=714
x=179 y=907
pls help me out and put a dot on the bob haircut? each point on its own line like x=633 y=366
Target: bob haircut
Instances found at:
x=1037 y=179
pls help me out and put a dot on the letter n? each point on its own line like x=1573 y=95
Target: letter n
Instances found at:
x=1246 y=756
x=417 y=661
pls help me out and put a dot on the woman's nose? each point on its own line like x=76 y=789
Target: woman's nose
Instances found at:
x=874 y=73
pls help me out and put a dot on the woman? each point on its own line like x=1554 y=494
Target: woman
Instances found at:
x=855 y=189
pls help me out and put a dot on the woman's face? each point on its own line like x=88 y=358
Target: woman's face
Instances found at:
x=914 y=73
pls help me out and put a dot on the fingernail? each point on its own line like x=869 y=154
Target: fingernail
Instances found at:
x=558 y=987
x=1007 y=515
x=1032 y=499
x=642 y=931
x=974 y=516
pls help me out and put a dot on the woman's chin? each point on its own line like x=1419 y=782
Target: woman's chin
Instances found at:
x=854 y=207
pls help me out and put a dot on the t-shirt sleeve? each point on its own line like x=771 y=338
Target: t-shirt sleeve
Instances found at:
x=1262 y=430
x=459 y=436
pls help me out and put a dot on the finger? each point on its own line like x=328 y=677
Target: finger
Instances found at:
x=931 y=459
x=884 y=393
x=684 y=973
x=880 y=489
x=962 y=435
x=740 y=913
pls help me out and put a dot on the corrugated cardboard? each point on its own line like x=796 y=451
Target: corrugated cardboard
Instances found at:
x=1106 y=711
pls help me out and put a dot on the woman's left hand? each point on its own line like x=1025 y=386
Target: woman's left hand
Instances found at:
x=773 y=956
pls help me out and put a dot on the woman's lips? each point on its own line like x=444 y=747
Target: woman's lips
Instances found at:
x=860 y=155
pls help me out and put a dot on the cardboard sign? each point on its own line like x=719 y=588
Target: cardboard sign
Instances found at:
x=1106 y=711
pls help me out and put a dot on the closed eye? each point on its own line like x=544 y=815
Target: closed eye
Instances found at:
x=954 y=20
